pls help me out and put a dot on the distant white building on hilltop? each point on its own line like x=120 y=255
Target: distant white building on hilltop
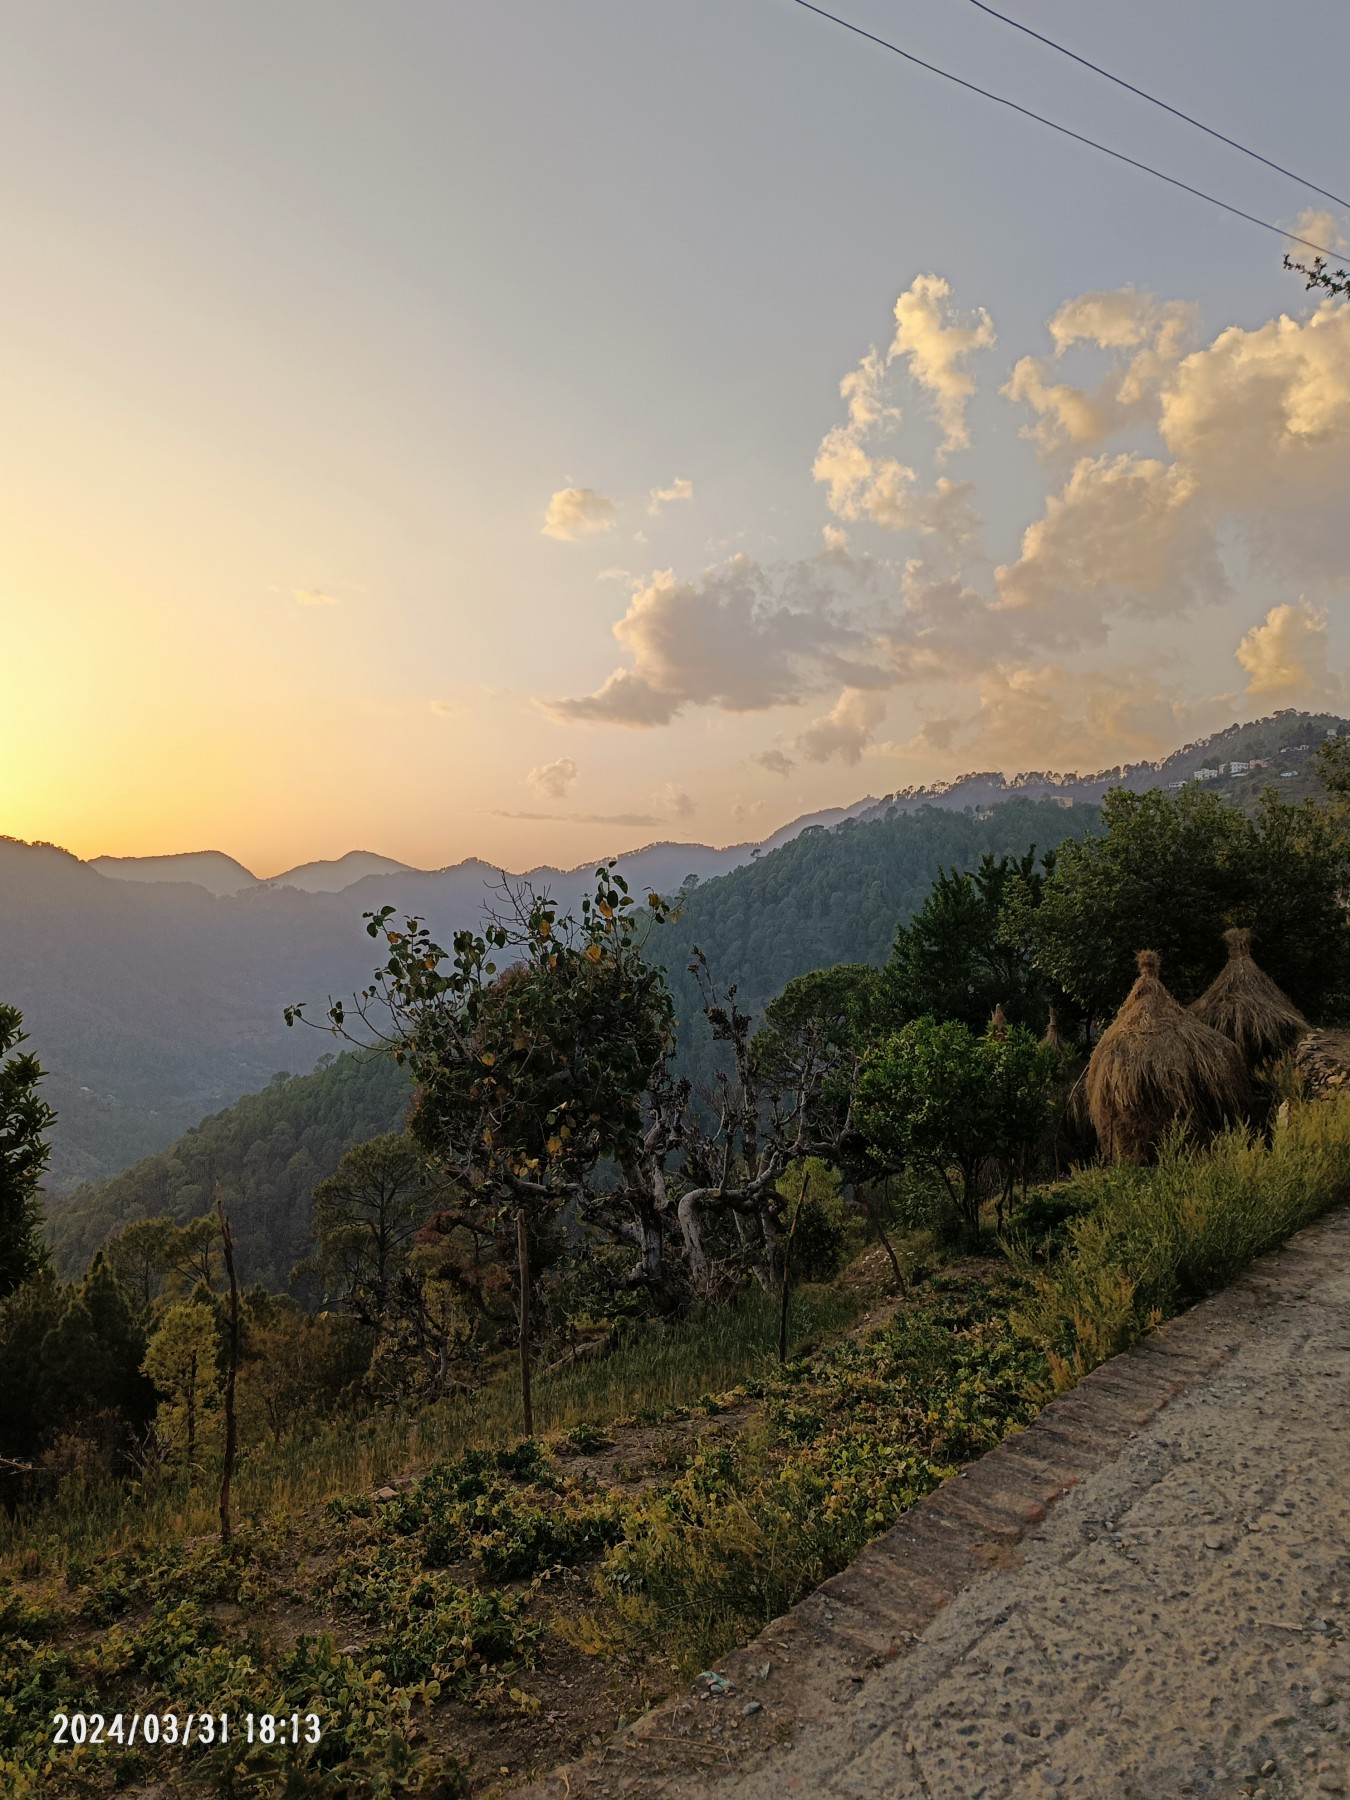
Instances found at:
x=1239 y=768
x=1206 y=775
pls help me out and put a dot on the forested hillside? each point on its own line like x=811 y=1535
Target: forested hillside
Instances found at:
x=154 y=1003
x=829 y=896
x=267 y=1152
x=835 y=896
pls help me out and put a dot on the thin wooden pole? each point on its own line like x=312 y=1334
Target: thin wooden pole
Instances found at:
x=231 y=1370
x=523 y=1267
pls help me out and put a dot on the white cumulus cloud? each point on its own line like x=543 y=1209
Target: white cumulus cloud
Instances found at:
x=731 y=638
x=555 y=780
x=847 y=729
x=1146 y=340
x=1285 y=658
x=938 y=346
x=576 y=512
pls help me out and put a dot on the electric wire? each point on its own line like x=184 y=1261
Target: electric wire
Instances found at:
x=1153 y=99
x=1065 y=131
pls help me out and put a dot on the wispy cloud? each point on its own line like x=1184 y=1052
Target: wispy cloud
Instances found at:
x=674 y=800
x=554 y=818
x=659 y=498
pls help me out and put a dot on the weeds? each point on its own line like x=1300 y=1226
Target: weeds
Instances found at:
x=447 y=1585
x=1149 y=1241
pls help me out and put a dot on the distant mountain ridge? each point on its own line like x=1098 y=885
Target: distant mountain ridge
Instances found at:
x=155 y=1002
x=1289 y=735
x=219 y=874
x=827 y=896
x=226 y=877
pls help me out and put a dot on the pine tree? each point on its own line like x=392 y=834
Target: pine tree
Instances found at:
x=24 y=1121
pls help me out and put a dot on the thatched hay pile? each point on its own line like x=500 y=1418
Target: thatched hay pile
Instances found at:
x=1157 y=1063
x=998 y=1022
x=1245 y=1005
x=1054 y=1038
x=1323 y=1060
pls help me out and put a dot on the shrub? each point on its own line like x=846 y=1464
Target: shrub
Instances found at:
x=1151 y=1240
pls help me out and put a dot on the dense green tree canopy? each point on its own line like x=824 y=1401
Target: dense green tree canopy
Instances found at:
x=936 y=1097
x=1169 y=872
x=267 y=1152
x=954 y=959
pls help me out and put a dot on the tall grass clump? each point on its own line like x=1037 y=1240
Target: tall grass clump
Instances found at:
x=1151 y=1240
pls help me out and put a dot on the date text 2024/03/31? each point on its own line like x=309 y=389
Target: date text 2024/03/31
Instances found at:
x=125 y=1729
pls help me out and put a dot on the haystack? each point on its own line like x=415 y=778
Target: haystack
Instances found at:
x=998 y=1022
x=1155 y=1064
x=1054 y=1038
x=1245 y=1005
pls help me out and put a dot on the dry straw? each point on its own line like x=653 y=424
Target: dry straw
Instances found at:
x=1157 y=1064
x=1245 y=1005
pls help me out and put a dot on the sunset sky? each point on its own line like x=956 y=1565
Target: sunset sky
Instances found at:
x=531 y=430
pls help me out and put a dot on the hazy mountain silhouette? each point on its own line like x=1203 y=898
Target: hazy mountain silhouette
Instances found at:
x=153 y=987
x=211 y=869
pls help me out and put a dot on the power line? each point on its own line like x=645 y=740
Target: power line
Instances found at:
x=1153 y=99
x=1065 y=131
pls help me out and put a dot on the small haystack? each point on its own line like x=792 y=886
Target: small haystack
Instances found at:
x=1245 y=1005
x=1054 y=1038
x=1157 y=1063
x=998 y=1022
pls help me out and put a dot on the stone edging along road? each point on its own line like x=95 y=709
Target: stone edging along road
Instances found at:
x=1143 y=1595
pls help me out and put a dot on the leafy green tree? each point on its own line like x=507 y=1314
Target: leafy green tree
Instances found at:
x=25 y=1120
x=68 y=1353
x=1333 y=767
x=142 y=1257
x=297 y=1365
x=935 y=1097
x=816 y=1034
x=182 y=1361
x=530 y=1076
x=955 y=960
x=1169 y=872
x=365 y=1217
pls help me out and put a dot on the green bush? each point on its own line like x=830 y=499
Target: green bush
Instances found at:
x=852 y=1437
x=1149 y=1241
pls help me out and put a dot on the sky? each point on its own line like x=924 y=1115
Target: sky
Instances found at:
x=533 y=431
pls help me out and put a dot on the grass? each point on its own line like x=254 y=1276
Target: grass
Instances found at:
x=1148 y=1241
x=448 y=1600
x=655 y=1375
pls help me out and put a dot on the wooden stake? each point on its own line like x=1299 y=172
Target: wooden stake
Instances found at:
x=523 y=1267
x=231 y=1370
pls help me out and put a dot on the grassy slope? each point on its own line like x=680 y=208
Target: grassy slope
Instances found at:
x=539 y=1600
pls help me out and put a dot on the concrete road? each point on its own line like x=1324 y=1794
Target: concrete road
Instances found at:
x=1144 y=1596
